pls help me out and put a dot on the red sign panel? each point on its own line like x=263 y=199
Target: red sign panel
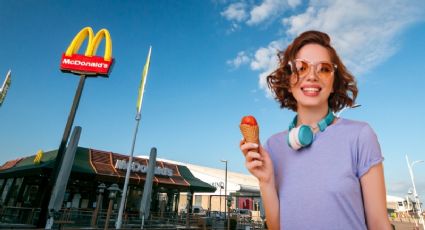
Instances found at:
x=78 y=63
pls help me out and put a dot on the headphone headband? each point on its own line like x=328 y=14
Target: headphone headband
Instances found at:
x=302 y=136
x=322 y=124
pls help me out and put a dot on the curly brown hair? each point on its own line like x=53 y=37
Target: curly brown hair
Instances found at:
x=344 y=87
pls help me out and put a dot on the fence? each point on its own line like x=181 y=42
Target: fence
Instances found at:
x=83 y=218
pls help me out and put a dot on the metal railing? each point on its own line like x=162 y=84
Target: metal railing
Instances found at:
x=79 y=218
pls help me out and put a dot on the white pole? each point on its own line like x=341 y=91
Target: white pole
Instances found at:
x=127 y=177
x=415 y=194
x=118 y=223
x=347 y=107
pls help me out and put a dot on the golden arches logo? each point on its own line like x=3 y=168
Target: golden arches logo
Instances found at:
x=38 y=157
x=89 y=63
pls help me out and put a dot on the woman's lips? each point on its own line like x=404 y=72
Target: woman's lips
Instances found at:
x=311 y=91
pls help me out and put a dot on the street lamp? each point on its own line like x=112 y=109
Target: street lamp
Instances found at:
x=100 y=189
x=221 y=187
x=225 y=195
x=347 y=107
x=113 y=189
x=188 y=207
x=415 y=194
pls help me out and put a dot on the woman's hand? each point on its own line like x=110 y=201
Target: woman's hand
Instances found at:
x=258 y=162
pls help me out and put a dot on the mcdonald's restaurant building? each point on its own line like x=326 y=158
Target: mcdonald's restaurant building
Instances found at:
x=23 y=181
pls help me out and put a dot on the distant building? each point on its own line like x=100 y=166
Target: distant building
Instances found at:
x=401 y=207
x=243 y=189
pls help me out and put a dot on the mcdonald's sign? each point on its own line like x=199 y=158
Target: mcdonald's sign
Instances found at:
x=89 y=63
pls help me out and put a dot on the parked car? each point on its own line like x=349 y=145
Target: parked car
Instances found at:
x=198 y=210
x=217 y=215
x=243 y=214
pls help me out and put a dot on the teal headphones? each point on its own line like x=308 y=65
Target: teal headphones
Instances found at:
x=302 y=136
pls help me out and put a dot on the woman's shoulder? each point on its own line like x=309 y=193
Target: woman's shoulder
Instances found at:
x=352 y=124
x=357 y=128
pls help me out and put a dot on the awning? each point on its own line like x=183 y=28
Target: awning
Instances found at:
x=109 y=166
x=196 y=184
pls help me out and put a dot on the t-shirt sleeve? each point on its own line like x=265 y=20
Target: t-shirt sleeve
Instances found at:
x=368 y=152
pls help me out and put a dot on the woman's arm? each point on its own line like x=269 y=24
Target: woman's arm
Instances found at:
x=374 y=198
x=260 y=165
x=271 y=204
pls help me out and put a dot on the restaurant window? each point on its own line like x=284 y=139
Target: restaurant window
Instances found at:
x=30 y=195
x=134 y=199
x=14 y=191
x=1 y=184
x=6 y=190
x=198 y=200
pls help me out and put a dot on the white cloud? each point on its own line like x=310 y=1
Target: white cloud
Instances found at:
x=251 y=14
x=362 y=32
x=235 y=12
x=265 y=58
x=266 y=61
x=241 y=58
x=267 y=9
x=294 y=3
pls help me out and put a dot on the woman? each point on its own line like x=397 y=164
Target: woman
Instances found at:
x=323 y=172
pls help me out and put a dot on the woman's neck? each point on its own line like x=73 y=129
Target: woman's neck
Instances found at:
x=311 y=116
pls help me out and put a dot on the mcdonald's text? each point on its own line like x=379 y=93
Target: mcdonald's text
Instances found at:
x=84 y=64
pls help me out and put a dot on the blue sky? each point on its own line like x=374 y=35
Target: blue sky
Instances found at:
x=208 y=64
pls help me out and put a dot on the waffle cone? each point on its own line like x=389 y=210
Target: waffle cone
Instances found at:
x=250 y=133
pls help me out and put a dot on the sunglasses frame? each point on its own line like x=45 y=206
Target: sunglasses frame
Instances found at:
x=311 y=64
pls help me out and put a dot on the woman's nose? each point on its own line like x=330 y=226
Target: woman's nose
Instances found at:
x=311 y=75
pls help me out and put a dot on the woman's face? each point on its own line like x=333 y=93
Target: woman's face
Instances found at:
x=315 y=83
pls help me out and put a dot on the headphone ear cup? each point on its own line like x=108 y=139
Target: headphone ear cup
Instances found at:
x=293 y=139
x=305 y=135
x=300 y=137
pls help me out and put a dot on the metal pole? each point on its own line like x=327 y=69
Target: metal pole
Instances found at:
x=220 y=200
x=415 y=194
x=347 y=107
x=108 y=214
x=189 y=199
x=59 y=157
x=227 y=207
x=58 y=192
x=226 y=211
x=127 y=176
x=101 y=189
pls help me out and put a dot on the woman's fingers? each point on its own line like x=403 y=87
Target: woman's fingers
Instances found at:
x=253 y=164
x=248 y=146
x=250 y=156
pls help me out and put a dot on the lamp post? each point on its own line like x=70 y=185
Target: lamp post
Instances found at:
x=188 y=207
x=415 y=194
x=347 y=107
x=220 y=197
x=113 y=189
x=100 y=189
x=226 y=211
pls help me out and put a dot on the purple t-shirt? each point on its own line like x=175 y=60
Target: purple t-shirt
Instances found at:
x=319 y=186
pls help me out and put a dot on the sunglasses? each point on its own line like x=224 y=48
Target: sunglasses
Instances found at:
x=323 y=69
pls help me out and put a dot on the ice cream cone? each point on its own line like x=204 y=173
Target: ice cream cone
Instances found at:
x=250 y=133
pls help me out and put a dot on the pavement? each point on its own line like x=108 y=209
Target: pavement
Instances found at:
x=405 y=226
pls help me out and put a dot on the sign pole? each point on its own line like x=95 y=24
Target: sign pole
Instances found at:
x=59 y=157
x=82 y=65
